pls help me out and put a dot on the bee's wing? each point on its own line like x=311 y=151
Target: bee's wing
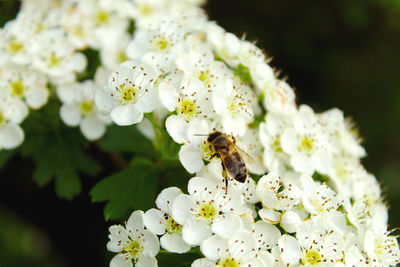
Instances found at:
x=247 y=158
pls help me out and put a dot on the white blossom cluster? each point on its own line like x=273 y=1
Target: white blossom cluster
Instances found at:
x=307 y=200
x=42 y=49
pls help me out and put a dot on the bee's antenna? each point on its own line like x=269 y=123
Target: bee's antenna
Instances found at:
x=200 y=134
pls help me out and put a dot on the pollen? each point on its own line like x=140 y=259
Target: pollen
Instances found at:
x=205 y=77
x=173 y=226
x=133 y=250
x=228 y=262
x=161 y=44
x=128 y=94
x=312 y=257
x=207 y=211
x=17 y=88
x=306 y=144
x=187 y=108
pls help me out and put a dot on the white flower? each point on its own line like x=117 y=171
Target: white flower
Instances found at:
x=130 y=93
x=206 y=210
x=133 y=243
x=239 y=250
x=270 y=131
x=14 y=42
x=266 y=234
x=107 y=25
x=274 y=194
x=160 y=222
x=26 y=84
x=58 y=60
x=311 y=249
x=159 y=44
x=323 y=204
x=235 y=103
x=11 y=134
x=306 y=143
x=114 y=54
x=381 y=247
x=78 y=109
x=345 y=139
x=278 y=97
x=226 y=45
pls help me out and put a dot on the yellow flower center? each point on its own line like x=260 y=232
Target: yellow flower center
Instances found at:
x=17 y=88
x=39 y=27
x=133 y=250
x=121 y=56
x=15 y=47
x=205 y=77
x=145 y=9
x=128 y=94
x=78 y=31
x=101 y=17
x=207 y=211
x=173 y=226
x=276 y=146
x=161 y=44
x=228 y=262
x=2 y=119
x=53 y=60
x=319 y=206
x=306 y=144
x=86 y=107
x=187 y=109
x=312 y=257
x=341 y=172
x=207 y=153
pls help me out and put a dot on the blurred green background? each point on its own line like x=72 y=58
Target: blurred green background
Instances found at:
x=342 y=53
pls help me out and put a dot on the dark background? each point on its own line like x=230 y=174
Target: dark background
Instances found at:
x=342 y=53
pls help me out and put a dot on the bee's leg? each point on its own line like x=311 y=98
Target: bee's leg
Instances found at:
x=225 y=177
x=214 y=155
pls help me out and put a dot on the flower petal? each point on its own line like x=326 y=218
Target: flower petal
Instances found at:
x=70 y=115
x=191 y=158
x=92 y=128
x=181 y=209
x=166 y=198
x=177 y=128
x=154 y=221
x=226 y=225
x=119 y=261
x=174 y=243
x=213 y=246
x=195 y=231
x=11 y=136
x=126 y=115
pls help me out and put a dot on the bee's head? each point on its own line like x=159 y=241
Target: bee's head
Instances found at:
x=213 y=135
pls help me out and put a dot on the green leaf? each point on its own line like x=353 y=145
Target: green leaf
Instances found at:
x=166 y=259
x=5 y=155
x=93 y=62
x=132 y=188
x=243 y=73
x=58 y=152
x=320 y=177
x=126 y=139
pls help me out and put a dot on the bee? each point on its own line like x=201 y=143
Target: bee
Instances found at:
x=232 y=157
